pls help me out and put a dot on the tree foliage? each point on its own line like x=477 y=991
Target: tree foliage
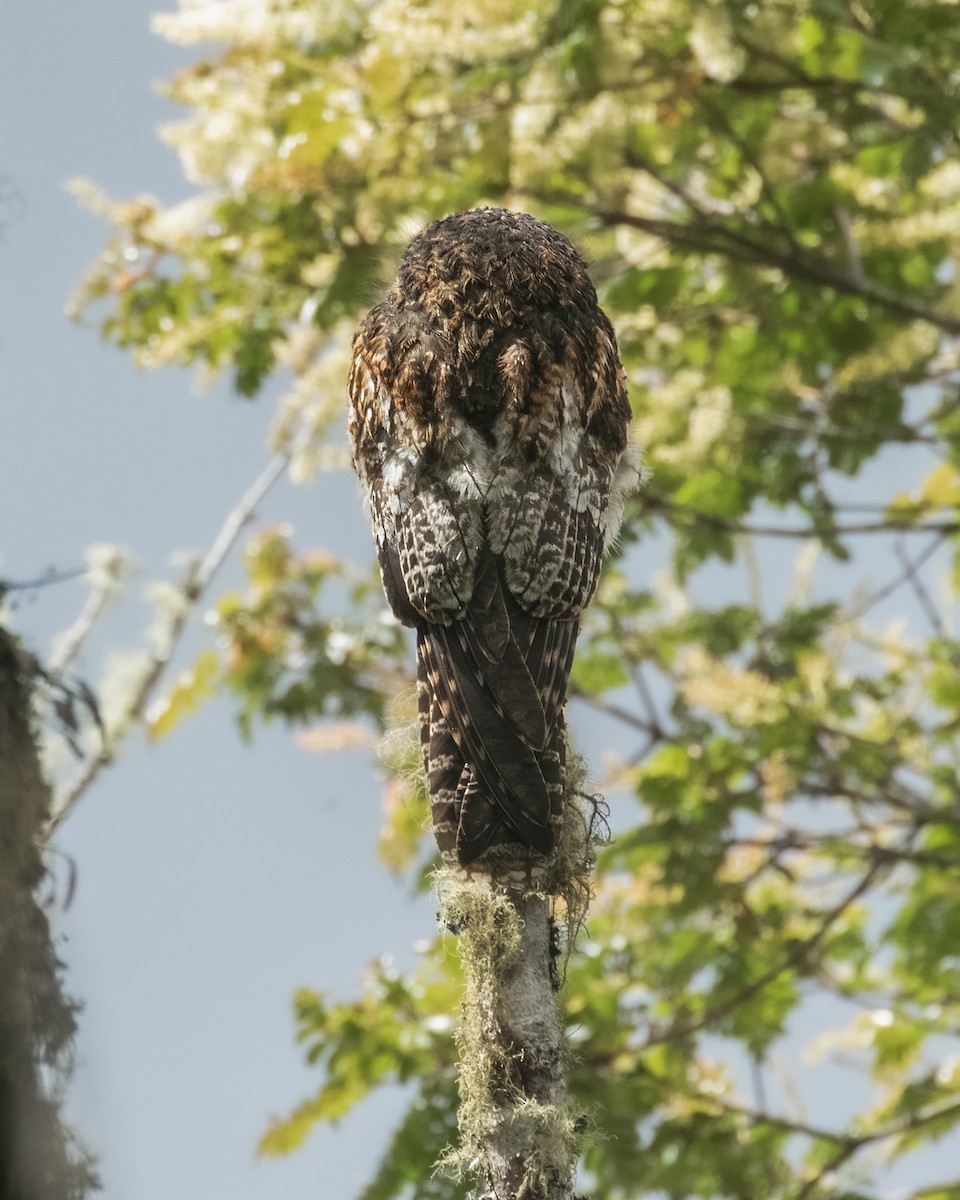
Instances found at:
x=769 y=195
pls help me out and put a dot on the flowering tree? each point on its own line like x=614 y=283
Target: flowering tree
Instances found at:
x=769 y=196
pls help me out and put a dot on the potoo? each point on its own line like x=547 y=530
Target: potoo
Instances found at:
x=488 y=420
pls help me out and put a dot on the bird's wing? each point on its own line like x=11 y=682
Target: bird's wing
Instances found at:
x=427 y=532
x=493 y=553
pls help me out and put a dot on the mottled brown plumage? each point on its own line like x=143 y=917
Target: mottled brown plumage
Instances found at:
x=488 y=418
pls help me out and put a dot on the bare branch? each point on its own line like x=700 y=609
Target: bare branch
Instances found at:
x=888 y=589
x=658 y=502
x=48 y=579
x=71 y=642
x=192 y=587
x=615 y=710
x=920 y=591
x=856 y=1142
x=646 y=697
x=713 y=237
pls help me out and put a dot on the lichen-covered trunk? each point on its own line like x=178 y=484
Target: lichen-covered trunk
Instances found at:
x=517 y=1126
x=532 y=1152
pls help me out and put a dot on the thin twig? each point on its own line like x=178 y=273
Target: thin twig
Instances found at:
x=51 y=577
x=889 y=791
x=920 y=591
x=70 y=644
x=817 y=427
x=713 y=237
x=192 y=587
x=646 y=697
x=657 y=502
x=721 y=1105
x=826 y=843
x=889 y=588
x=849 y=1143
x=794 y=958
x=615 y=710
x=760 y=1117
x=856 y=1142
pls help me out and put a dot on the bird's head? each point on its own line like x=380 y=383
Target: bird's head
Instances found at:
x=493 y=266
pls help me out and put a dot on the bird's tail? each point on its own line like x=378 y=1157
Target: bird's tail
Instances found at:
x=488 y=787
x=481 y=824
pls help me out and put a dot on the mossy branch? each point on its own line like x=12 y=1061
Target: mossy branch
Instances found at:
x=518 y=1129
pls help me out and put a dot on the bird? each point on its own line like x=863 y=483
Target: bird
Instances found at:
x=489 y=428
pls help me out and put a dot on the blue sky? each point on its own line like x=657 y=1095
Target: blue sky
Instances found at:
x=213 y=878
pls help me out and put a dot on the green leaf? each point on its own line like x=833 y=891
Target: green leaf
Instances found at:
x=194 y=686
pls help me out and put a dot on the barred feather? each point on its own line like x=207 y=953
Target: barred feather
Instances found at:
x=488 y=418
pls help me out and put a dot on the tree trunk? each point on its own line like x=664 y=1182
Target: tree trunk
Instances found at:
x=518 y=1128
x=38 y=1158
x=532 y=1151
